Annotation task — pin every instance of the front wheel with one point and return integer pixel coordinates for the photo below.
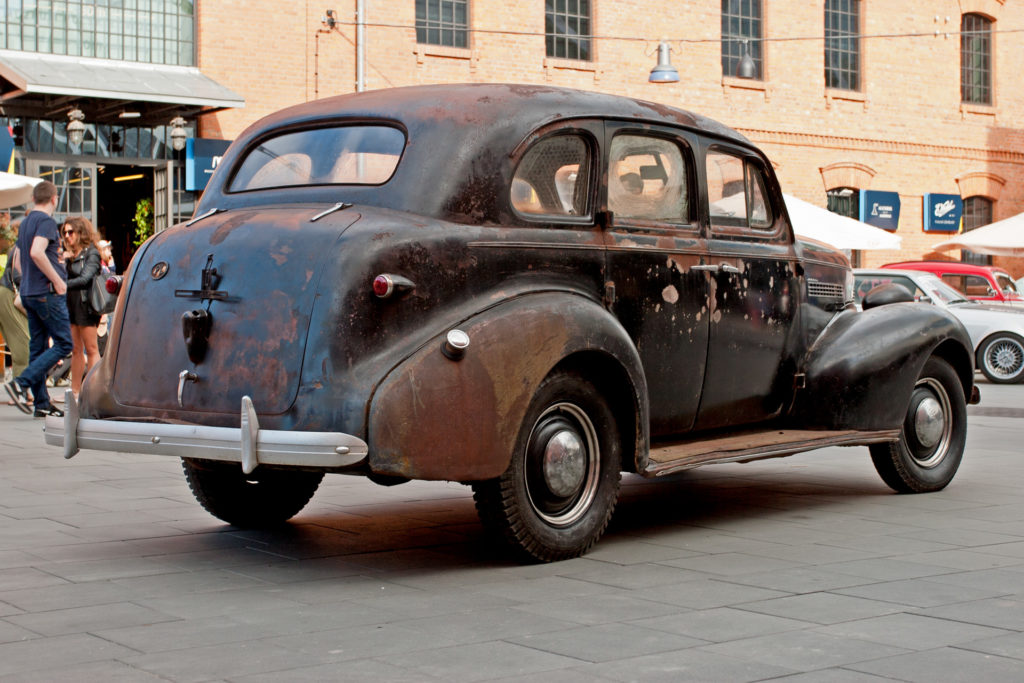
(263, 498)
(556, 497)
(1001, 359)
(931, 443)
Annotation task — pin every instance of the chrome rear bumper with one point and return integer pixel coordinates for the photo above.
(247, 445)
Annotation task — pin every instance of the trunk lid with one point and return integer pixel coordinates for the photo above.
(255, 274)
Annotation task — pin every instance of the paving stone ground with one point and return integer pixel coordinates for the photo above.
(799, 569)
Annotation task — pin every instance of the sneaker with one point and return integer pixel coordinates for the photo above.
(19, 395)
(48, 411)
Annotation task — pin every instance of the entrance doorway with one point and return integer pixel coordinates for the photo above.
(120, 188)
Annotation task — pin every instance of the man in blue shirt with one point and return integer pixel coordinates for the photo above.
(43, 289)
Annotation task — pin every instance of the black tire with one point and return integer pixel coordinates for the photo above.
(264, 498)
(1001, 358)
(559, 492)
(931, 443)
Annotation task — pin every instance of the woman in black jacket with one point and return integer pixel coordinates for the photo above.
(83, 263)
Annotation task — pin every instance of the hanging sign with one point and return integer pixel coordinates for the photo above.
(880, 209)
(201, 157)
(942, 212)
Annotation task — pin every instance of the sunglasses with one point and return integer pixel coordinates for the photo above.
(69, 231)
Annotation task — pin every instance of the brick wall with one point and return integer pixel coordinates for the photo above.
(904, 131)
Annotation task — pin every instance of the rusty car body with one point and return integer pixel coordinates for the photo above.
(526, 289)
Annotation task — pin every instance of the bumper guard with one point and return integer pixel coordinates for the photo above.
(248, 445)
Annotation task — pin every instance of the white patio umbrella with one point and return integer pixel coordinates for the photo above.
(1002, 238)
(839, 231)
(16, 189)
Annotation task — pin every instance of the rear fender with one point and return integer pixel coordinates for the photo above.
(862, 369)
(436, 418)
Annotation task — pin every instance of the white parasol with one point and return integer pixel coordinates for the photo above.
(1002, 238)
(15, 189)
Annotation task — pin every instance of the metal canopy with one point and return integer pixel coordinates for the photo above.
(46, 86)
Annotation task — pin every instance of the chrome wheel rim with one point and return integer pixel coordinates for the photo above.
(1004, 358)
(562, 464)
(928, 428)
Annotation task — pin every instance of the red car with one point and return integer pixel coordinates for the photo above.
(981, 283)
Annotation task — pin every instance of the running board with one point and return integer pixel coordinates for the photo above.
(754, 445)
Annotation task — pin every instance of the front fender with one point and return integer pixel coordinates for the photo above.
(862, 369)
(436, 418)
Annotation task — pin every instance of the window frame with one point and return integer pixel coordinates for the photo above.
(583, 40)
(555, 219)
(972, 92)
(688, 223)
(732, 42)
(835, 47)
(977, 208)
(452, 28)
(751, 161)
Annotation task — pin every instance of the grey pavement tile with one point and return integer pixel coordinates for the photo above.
(222, 661)
(962, 538)
(635, 576)
(800, 580)
(102, 570)
(918, 592)
(887, 569)
(706, 593)
(692, 665)
(340, 589)
(19, 578)
(7, 610)
(802, 650)
(183, 634)
(546, 588)
(836, 675)
(1014, 550)
(97, 672)
(66, 595)
(888, 546)
(1006, 581)
(384, 640)
(177, 583)
(731, 564)
(822, 608)
(62, 651)
(482, 661)
(10, 559)
(89, 619)
(911, 631)
(971, 560)
(1010, 645)
(276, 571)
(995, 612)
(10, 632)
(606, 642)
(721, 624)
(358, 671)
(600, 609)
(581, 674)
(424, 603)
(944, 664)
(497, 623)
(221, 603)
(629, 551)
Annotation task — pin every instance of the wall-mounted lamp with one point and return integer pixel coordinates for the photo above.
(746, 67)
(663, 71)
(178, 133)
(330, 19)
(76, 129)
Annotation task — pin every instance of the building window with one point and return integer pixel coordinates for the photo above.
(567, 28)
(845, 201)
(741, 25)
(442, 22)
(129, 30)
(977, 212)
(842, 44)
(975, 59)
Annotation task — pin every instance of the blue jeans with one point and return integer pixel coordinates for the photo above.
(47, 319)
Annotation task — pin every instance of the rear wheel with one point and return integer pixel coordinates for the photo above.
(263, 498)
(931, 443)
(556, 497)
(1001, 359)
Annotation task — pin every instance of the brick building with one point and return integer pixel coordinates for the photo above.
(905, 96)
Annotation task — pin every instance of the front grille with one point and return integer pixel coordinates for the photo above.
(824, 290)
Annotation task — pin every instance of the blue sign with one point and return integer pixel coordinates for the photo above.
(880, 209)
(202, 156)
(6, 149)
(942, 212)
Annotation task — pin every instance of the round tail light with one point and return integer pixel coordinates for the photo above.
(114, 283)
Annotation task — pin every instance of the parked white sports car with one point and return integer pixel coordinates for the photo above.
(997, 331)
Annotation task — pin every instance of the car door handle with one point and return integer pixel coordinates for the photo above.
(705, 268)
(729, 268)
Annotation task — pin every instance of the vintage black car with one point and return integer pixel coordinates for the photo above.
(527, 289)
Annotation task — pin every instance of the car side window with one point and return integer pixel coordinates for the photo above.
(864, 284)
(737, 193)
(647, 179)
(553, 178)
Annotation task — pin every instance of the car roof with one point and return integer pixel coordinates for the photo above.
(949, 266)
(460, 148)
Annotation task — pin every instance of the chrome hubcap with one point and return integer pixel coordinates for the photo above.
(929, 422)
(565, 463)
(1005, 358)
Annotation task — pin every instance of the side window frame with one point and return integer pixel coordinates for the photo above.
(774, 231)
(581, 131)
(685, 145)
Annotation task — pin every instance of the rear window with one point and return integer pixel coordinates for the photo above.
(340, 155)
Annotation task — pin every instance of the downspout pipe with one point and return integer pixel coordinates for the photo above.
(360, 45)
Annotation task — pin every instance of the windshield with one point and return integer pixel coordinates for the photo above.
(1006, 283)
(340, 155)
(939, 290)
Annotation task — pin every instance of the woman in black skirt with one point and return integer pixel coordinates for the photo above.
(83, 263)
